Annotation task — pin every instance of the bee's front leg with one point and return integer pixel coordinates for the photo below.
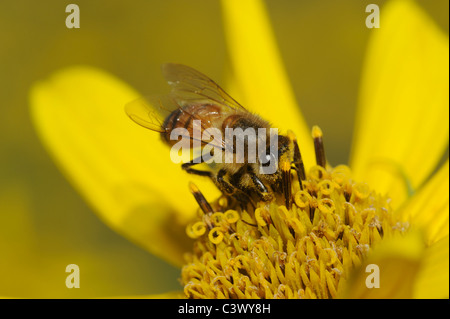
(231, 190)
(188, 167)
(261, 189)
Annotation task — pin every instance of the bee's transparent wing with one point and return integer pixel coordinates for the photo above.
(192, 87)
(151, 112)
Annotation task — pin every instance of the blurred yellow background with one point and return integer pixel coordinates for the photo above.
(44, 224)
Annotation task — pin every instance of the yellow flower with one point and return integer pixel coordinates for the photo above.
(394, 186)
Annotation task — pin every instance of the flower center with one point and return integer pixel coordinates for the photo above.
(306, 251)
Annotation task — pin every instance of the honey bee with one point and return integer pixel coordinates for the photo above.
(197, 104)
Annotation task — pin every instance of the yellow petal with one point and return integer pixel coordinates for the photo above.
(123, 170)
(433, 278)
(402, 121)
(259, 71)
(398, 261)
(428, 210)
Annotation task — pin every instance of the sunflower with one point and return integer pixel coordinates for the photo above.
(387, 211)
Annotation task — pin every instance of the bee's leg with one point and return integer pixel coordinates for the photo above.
(223, 184)
(263, 192)
(297, 160)
(232, 190)
(188, 167)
